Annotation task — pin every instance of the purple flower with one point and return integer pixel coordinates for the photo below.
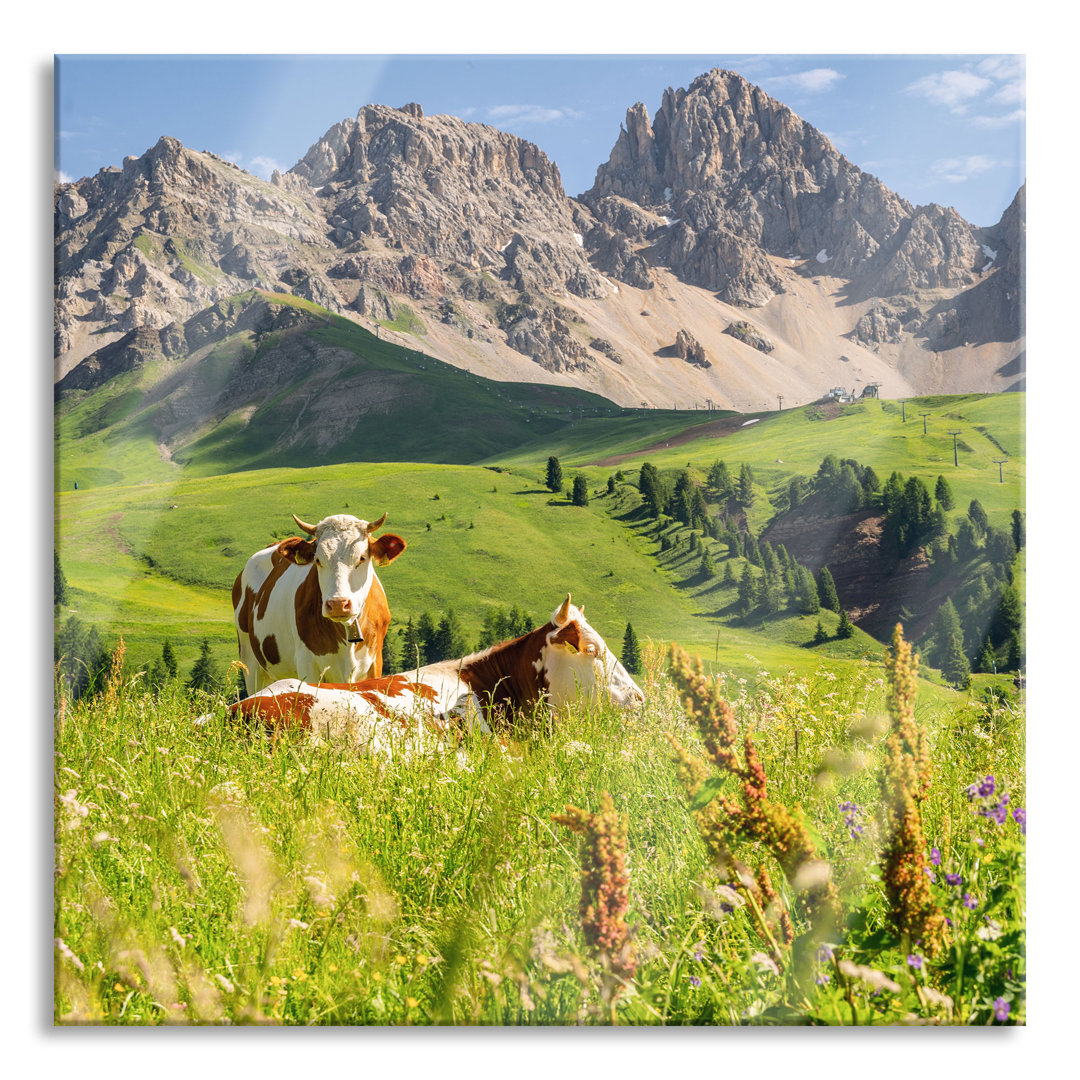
(698, 954)
(953, 879)
(986, 788)
(935, 856)
(822, 979)
(1001, 1010)
(929, 873)
(970, 902)
(1020, 817)
(914, 961)
(824, 954)
(694, 980)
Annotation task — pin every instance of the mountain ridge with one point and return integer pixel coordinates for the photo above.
(458, 238)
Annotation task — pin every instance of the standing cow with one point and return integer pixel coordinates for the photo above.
(313, 608)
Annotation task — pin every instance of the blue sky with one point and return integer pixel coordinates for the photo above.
(935, 128)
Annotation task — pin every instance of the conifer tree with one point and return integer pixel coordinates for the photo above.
(943, 494)
(746, 590)
(611, 485)
(425, 630)
(746, 486)
(1008, 616)
(708, 566)
(1019, 530)
(554, 475)
(580, 496)
(987, 661)
(827, 590)
(1015, 660)
(60, 585)
(719, 479)
(845, 628)
(168, 659)
(449, 642)
(631, 651)
(809, 597)
(413, 654)
(729, 574)
(949, 644)
(978, 517)
(820, 636)
(204, 673)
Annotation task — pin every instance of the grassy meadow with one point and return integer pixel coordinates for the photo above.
(212, 875)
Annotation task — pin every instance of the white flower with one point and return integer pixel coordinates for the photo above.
(296, 924)
(764, 962)
(67, 954)
(226, 985)
(179, 938)
(574, 748)
(877, 979)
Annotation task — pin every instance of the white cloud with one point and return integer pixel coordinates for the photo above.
(959, 170)
(1009, 68)
(1017, 116)
(530, 114)
(953, 89)
(1012, 93)
(62, 177)
(815, 81)
(264, 166)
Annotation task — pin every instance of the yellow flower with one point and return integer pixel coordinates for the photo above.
(300, 976)
(275, 980)
(376, 976)
(421, 959)
(400, 959)
(118, 987)
(411, 1002)
(331, 967)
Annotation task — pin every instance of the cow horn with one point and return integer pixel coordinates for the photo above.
(373, 525)
(309, 529)
(562, 616)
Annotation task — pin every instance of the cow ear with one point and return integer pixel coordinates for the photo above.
(297, 550)
(387, 548)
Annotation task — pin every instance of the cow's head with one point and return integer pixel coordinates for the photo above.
(344, 553)
(577, 663)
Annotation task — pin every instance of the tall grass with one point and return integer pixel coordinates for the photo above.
(213, 875)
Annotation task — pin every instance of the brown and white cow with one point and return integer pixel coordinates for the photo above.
(560, 663)
(313, 608)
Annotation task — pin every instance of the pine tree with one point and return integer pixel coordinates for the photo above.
(1019, 530)
(827, 590)
(1015, 660)
(580, 496)
(652, 492)
(204, 674)
(425, 631)
(949, 644)
(746, 590)
(412, 648)
(746, 486)
(389, 655)
(631, 651)
(1008, 616)
(611, 485)
(708, 566)
(449, 642)
(943, 494)
(719, 479)
(60, 585)
(809, 597)
(168, 659)
(554, 475)
(820, 636)
(729, 574)
(978, 517)
(845, 628)
(987, 661)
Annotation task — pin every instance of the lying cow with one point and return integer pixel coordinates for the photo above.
(314, 608)
(562, 662)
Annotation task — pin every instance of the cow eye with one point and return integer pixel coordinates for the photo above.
(318, 562)
(362, 559)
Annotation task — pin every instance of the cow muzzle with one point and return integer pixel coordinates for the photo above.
(338, 607)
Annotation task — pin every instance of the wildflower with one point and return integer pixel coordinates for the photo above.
(400, 959)
(421, 959)
(695, 981)
(878, 980)
(118, 987)
(411, 1003)
(914, 961)
(604, 883)
(1001, 1010)
(824, 954)
(1020, 817)
(225, 984)
(822, 979)
(970, 902)
(953, 879)
(376, 976)
(905, 781)
(930, 873)
(935, 856)
(852, 812)
(698, 954)
(986, 788)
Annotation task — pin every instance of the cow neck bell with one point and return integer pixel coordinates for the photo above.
(354, 637)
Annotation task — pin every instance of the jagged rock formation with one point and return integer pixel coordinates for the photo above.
(748, 334)
(688, 348)
(725, 201)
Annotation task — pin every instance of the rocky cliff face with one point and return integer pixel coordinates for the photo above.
(726, 201)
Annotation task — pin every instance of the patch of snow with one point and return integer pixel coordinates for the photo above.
(822, 256)
(506, 245)
(749, 422)
(991, 255)
(667, 194)
(670, 221)
(614, 287)
(579, 238)
(1008, 297)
